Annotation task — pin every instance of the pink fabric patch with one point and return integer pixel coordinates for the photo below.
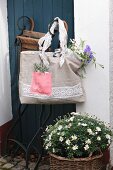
(41, 83)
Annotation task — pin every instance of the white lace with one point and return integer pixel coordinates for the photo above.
(57, 92)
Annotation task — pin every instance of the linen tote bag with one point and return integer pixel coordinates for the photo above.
(63, 85)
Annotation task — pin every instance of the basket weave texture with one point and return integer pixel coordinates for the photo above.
(89, 163)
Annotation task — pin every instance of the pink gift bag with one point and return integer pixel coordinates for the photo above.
(41, 83)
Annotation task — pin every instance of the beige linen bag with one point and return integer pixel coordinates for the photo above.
(63, 64)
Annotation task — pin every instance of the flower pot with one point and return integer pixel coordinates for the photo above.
(89, 163)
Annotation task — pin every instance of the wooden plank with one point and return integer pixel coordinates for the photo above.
(57, 12)
(57, 8)
(47, 14)
(29, 119)
(28, 8)
(43, 11)
(18, 12)
(27, 11)
(68, 15)
(12, 53)
(38, 15)
(11, 30)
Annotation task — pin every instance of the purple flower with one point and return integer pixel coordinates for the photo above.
(87, 49)
(89, 53)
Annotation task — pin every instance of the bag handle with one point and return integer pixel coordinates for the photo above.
(45, 42)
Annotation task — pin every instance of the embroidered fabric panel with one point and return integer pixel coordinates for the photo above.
(57, 92)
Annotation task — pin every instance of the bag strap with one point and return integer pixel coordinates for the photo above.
(45, 42)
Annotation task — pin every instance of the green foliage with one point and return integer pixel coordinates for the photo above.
(40, 67)
(84, 53)
(77, 135)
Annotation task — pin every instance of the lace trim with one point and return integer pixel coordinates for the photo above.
(57, 92)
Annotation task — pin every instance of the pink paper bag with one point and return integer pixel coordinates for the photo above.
(41, 83)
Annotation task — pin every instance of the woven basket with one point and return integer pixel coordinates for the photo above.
(89, 163)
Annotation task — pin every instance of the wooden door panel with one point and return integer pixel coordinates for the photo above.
(43, 12)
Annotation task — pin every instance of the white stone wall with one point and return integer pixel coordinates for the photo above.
(111, 71)
(5, 86)
(92, 25)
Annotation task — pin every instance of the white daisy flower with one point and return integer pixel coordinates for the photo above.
(75, 147)
(50, 137)
(53, 150)
(90, 131)
(86, 147)
(46, 147)
(62, 134)
(88, 141)
(71, 119)
(74, 113)
(68, 142)
(109, 141)
(74, 137)
(58, 133)
(84, 124)
(98, 129)
(70, 124)
(61, 139)
(98, 138)
(60, 127)
(49, 144)
(108, 136)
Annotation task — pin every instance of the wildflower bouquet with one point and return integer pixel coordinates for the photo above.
(84, 53)
(77, 136)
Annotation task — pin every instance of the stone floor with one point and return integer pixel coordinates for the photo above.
(18, 163)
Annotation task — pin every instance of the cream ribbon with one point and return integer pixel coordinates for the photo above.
(45, 42)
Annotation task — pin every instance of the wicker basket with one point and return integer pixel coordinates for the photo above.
(89, 163)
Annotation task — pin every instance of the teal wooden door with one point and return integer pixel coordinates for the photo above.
(43, 12)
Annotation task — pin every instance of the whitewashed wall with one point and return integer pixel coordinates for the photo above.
(5, 87)
(111, 71)
(92, 25)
